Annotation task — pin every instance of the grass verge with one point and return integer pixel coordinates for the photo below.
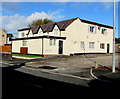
(29, 56)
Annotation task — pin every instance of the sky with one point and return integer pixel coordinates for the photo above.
(17, 15)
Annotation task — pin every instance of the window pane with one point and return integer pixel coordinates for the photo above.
(82, 45)
(24, 43)
(91, 45)
(56, 31)
(104, 31)
(50, 41)
(92, 29)
(102, 46)
(40, 32)
(54, 41)
(22, 34)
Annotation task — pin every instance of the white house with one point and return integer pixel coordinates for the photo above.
(73, 36)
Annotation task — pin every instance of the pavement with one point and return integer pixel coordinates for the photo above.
(12, 62)
(106, 74)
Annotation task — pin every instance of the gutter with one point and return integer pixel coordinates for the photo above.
(37, 37)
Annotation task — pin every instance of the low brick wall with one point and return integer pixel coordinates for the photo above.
(5, 56)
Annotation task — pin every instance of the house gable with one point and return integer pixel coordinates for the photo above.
(55, 31)
(23, 33)
(64, 24)
(40, 32)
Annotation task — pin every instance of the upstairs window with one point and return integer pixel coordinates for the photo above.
(56, 31)
(92, 29)
(40, 32)
(22, 34)
(104, 31)
(30, 34)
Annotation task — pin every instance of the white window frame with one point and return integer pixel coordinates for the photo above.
(40, 32)
(82, 45)
(30, 34)
(101, 45)
(94, 29)
(104, 32)
(24, 43)
(91, 45)
(22, 34)
(52, 42)
(56, 31)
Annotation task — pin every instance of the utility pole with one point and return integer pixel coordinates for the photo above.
(114, 28)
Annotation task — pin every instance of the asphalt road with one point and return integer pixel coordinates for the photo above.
(22, 85)
(17, 84)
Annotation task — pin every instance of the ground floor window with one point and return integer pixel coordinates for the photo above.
(52, 42)
(102, 46)
(82, 45)
(91, 45)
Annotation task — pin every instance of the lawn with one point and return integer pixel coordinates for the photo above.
(29, 56)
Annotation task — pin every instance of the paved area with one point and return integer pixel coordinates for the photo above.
(73, 65)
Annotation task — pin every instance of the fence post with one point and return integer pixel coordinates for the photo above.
(96, 64)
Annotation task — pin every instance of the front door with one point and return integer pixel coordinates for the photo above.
(60, 47)
(108, 48)
(23, 50)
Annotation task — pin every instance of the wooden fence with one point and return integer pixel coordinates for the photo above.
(5, 48)
(117, 48)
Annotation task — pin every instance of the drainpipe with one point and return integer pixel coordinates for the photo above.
(60, 33)
(42, 47)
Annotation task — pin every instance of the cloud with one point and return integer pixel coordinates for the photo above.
(107, 5)
(43, 15)
(38, 15)
(13, 23)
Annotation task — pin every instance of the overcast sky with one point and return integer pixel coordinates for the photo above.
(16, 15)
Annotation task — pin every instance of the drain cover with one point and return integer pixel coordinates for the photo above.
(48, 67)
